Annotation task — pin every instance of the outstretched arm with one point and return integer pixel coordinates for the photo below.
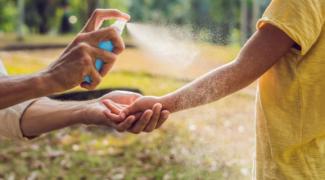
(46, 115)
(260, 53)
(75, 62)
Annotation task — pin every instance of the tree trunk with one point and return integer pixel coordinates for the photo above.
(92, 5)
(244, 21)
(256, 12)
(43, 10)
(21, 10)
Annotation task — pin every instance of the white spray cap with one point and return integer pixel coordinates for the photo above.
(119, 25)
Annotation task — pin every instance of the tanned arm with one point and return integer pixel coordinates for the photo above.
(260, 53)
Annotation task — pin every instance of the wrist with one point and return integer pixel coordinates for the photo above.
(81, 114)
(168, 102)
(78, 112)
(45, 84)
(85, 112)
(40, 81)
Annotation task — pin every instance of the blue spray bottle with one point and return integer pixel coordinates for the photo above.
(107, 46)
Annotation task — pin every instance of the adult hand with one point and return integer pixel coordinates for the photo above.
(148, 112)
(94, 112)
(78, 59)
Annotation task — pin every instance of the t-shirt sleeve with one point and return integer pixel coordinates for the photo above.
(301, 20)
(11, 116)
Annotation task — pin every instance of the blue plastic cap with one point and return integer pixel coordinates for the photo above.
(107, 46)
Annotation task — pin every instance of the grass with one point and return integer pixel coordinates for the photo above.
(11, 39)
(210, 142)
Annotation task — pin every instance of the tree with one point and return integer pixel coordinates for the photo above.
(21, 10)
(256, 11)
(244, 22)
(92, 5)
(8, 14)
(224, 16)
(39, 14)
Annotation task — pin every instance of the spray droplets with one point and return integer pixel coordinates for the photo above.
(169, 44)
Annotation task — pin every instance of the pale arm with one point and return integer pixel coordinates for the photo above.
(46, 115)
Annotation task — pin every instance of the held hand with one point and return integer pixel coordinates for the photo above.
(94, 113)
(147, 111)
(122, 97)
(116, 101)
(78, 59)
(141, 105)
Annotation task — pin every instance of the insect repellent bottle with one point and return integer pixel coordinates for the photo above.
(107, 46)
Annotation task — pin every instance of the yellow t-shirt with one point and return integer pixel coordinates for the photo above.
(291, 96)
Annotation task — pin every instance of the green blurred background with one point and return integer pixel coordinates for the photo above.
(215, 141)
(222, 19)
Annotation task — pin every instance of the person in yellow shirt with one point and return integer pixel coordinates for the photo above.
(287, 54)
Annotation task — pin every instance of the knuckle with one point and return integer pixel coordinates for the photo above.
(96, 12)
(80, 38)
(86, 61)
(82, 47)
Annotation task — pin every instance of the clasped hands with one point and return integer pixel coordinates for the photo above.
(136, 114)
(126, 111)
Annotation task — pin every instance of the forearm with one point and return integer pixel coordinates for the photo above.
(261, 52)
(46, 115)
(209, 88)
(16, 89)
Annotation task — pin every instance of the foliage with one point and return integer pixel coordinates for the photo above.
(8, 15)
(219, 19)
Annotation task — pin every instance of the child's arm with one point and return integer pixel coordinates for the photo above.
(261, 52)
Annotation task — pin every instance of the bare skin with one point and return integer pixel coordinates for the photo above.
(148, 121)
(76, 62)
(46, 115)
(264, 49)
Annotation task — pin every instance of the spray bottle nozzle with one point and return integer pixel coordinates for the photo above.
(119, 25)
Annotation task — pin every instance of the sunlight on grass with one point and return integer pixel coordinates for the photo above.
(11, 39)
